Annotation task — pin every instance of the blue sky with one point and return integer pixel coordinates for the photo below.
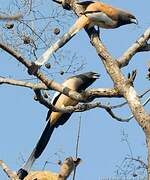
(101, 148)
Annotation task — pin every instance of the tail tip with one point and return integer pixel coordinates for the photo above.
(22, 173)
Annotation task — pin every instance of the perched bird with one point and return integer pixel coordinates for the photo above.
(78, 83)
(96, 13)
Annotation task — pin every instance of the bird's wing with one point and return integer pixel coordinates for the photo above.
(110, 11)
(98, 16)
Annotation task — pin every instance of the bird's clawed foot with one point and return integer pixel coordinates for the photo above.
(33, 69)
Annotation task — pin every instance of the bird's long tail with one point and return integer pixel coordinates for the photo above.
(79, 24)
(37, 151)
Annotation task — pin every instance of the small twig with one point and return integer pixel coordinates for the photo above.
(136, 47)
(145, 47)
(147, 100)
(124, 103)
(130, 117)
(9, 173)
(67, 167)
(111, 113)
(128, 166)
(22, 83)
(42, 100)
(138, 160)
(77, 146)
(13, 17)
(125, 139)
(144, 93)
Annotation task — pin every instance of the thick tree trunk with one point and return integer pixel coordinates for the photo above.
(148, 156)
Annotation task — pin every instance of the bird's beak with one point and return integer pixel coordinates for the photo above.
(135, 21)
(96, 76)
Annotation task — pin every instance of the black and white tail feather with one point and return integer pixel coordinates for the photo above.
(40, 146)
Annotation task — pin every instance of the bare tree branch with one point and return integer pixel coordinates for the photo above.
(88, 94)
(102, 92)
(124, 103)
(65, 170)
(15, 54)
(23, 84)
(68, 166)
(138, 46)
(79, 107)
(9, 173)
(138, 160)
(13, 17)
